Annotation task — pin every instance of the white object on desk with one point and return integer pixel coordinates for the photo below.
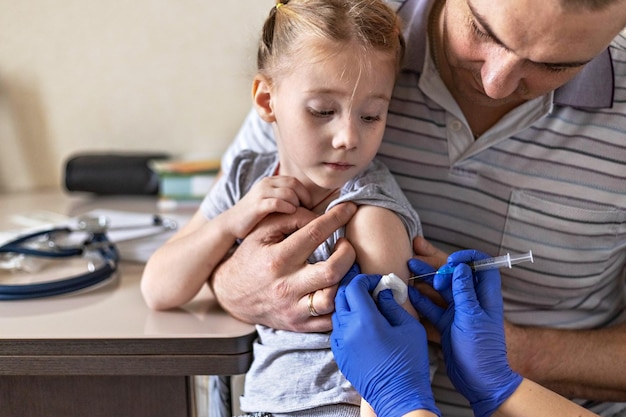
(134, 242)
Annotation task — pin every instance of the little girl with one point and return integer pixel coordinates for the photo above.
(326, 71)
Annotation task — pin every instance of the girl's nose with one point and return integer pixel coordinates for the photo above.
(347, 137)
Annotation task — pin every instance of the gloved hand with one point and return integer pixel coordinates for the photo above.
(382, 353)
(352, 273)
(472, 333)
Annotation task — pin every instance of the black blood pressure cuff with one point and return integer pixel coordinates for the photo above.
(112, 173)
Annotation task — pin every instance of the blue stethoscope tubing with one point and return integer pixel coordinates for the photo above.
(104, 247)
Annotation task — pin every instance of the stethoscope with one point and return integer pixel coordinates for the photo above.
(46, 244)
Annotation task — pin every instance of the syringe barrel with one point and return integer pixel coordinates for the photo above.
(507, 260)
(517, 258)
(492, 263)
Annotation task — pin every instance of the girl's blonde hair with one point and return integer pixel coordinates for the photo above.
(371, 24)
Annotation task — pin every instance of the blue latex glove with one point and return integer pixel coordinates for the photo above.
(350, 275)
(381, 350)
(472, 332)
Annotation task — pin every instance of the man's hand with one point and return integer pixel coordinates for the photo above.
(426, 252)
(268, 280)
(427, 259)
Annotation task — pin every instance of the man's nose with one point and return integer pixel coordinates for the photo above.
(501, 74)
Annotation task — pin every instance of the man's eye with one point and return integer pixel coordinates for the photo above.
(320, 113)
(557, 69)
(479, 33)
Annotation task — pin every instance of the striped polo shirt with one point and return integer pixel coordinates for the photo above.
(549, 177)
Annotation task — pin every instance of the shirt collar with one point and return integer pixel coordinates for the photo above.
(592, 88)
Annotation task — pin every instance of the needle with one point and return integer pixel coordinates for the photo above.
(507, 260)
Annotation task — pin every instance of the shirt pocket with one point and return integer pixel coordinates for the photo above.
(578, 273)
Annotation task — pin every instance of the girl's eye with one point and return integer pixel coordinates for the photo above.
(320, 113)
(370, 119)
(479, 33)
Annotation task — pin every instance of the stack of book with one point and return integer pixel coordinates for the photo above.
(184, 183)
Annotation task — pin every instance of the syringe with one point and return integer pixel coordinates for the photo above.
(482, 264)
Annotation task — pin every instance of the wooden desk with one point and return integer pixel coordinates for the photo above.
(103, 352)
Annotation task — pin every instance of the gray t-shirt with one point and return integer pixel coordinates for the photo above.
(291, 371)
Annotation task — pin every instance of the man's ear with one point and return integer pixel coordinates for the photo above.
(262, 98)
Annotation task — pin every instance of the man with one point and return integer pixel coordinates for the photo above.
(507, 132)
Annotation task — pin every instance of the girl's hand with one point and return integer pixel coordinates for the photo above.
(276, 194)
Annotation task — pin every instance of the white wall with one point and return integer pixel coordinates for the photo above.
(139, 75)
(163, 75)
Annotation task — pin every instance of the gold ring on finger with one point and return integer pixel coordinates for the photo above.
(312, 310)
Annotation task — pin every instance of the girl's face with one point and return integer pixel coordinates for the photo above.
(507, 52)
(329, 113)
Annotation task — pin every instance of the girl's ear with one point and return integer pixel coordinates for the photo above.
(262, 98)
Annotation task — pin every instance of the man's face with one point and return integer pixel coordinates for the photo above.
(506, 52)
